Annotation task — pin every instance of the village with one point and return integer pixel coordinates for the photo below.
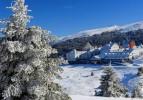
(109, 53)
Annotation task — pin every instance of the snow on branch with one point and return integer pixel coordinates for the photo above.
(3, 21)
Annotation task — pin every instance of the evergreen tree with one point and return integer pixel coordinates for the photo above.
(138, 91)
(87, 46)
(110, 85)
(50, 38)
(28, 65)
(140, 71)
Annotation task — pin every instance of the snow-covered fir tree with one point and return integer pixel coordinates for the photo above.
(138, 91)
(110, 85)
(50, 38)
(28, 65)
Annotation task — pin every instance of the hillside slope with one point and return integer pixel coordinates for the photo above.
(91, 32)
(102, 36)
(77, 79)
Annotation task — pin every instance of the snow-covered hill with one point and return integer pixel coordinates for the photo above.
(91, 32)
(86, 33)
(78, 82)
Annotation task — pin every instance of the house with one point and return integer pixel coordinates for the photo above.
(116, 56)
(110, 52)
(137, 52)
(76, 56)
(132, 44)
(113, 52)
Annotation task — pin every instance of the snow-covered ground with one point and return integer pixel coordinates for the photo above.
(79, 97)
(78, 82)
(77, 79)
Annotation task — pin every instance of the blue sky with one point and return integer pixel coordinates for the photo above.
(64, 17)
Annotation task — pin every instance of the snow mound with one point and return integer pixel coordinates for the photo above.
(86, 33)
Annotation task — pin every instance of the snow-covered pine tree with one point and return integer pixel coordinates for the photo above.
(50, 38)
(138, 91)
(28, 65)
(110, 85)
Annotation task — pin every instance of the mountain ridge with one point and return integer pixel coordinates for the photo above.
(91, 32)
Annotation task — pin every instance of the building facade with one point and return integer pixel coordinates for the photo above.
(110, 52)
